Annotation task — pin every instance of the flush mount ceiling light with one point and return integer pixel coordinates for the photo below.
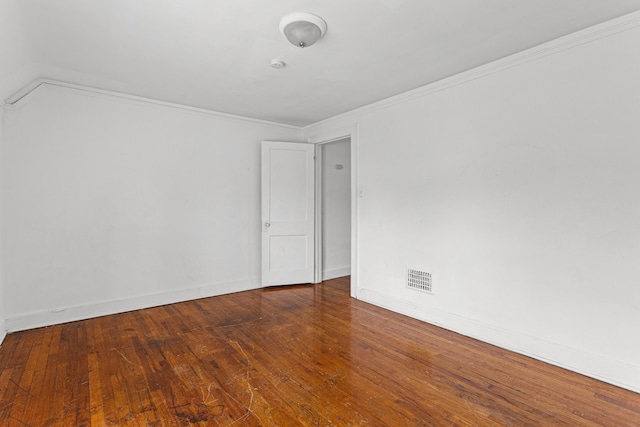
(302, 29)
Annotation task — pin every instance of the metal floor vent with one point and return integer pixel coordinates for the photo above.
(419, 280)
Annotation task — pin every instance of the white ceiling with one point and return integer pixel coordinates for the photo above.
(215, 54)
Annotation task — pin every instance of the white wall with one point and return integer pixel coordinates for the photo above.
(517, 187)
(3, 316)
(112, 204)
(17, 64)
(336, 209)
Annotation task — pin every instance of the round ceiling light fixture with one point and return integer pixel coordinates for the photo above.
(302, 29)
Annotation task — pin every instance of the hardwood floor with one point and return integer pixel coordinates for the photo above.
(301, 355)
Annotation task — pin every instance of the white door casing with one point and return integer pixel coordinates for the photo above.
(323, 136)
(288, 213)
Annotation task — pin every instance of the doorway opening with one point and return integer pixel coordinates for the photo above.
(343, 170)
(333, 224)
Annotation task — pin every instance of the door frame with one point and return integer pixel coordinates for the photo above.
(325, 137)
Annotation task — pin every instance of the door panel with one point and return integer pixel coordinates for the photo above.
(287, 185)
(288, 253)
(288, 174)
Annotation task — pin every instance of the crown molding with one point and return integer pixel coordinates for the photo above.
(23, 94)
(570, 41)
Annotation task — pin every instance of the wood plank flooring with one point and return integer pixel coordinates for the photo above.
(300, 355)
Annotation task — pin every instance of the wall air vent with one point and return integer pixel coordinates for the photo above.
(419, 280)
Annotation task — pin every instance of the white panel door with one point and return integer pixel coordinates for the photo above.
(288, 185)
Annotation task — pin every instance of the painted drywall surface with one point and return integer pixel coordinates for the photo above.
(16, 61)
(107, 199)
(2, 296)
(336, 215)
(518, 190)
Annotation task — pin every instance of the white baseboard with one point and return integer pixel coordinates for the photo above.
(96, 309)
(614, 372)
(335, 273)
